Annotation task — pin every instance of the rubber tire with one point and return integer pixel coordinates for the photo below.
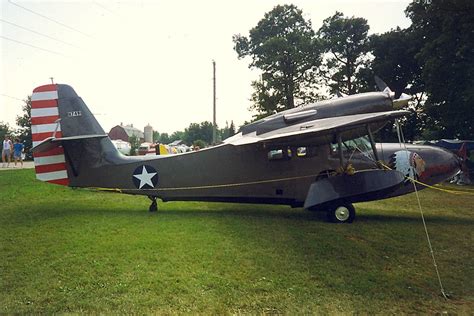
(332, 213)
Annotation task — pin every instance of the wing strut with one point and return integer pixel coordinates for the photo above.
(339, 147)
(372, 143)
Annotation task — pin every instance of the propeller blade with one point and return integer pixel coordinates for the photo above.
(381, 84)
(397, 103)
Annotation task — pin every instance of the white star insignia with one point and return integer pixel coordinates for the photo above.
(145, 177)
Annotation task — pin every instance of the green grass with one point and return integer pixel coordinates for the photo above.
(65, 250)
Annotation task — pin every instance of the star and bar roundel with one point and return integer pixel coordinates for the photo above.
(145, 177)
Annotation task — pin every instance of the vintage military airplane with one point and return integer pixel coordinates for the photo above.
(321, 156)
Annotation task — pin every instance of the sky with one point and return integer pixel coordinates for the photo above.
(149, 62)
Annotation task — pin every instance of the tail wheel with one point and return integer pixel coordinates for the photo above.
(341, 212)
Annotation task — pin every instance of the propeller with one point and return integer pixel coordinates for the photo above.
(397, 103)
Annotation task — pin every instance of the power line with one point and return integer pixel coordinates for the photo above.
(9, 96)
(49, 19)
(33, 46)
(103, 7)
(33, 31)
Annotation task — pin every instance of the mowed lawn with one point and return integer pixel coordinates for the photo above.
(66, 250)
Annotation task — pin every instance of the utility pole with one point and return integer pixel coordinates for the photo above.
(214, 126)
(51, 80)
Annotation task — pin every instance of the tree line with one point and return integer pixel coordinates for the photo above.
(196, 134)
(432, 60)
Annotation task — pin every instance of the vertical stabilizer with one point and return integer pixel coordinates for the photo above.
(50, 164)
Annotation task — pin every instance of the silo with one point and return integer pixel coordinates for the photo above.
(148, 134)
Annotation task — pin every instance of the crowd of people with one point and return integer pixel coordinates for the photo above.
(10, 149)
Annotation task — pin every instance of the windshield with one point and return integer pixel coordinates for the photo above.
(357, 146)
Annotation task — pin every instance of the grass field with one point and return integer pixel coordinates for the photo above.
(65, 250)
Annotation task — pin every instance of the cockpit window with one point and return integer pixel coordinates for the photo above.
(361, 143)
(354, 146)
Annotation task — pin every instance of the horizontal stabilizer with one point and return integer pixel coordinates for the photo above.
(51, 142)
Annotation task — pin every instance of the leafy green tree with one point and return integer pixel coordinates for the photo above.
(228, 130)
(177, 135)
(195, 131)
(346, 47)
(199, 143)
(24, 123)
(164, 138)
(447, 60)
(285, 48)
(4, 130)
(394, 61)
(156, 137)
(134, 144)
(192, 133)
(231, 129)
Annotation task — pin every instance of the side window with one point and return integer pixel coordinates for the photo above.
(279, 154)
(301, 151)
(276, 154)
(288, 153)
(307, 151)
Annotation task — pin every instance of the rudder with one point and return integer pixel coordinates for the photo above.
(50, 165)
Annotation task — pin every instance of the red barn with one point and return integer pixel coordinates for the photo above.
(124, 132)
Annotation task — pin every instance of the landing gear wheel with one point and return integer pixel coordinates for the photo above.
(342, 212)
(154, 206)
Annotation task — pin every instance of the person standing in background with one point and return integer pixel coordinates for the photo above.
(17, 151)
(6, 151)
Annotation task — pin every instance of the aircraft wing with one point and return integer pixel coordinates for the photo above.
(309, 131)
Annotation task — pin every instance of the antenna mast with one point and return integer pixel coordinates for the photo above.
(214, 125)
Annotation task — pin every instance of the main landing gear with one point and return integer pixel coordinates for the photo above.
(341, 212)
(154, 206)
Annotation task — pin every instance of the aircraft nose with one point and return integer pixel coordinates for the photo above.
(440, 164)
(427, 164)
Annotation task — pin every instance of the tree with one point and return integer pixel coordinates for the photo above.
(24, 123)
(134, 144)
(228, 130)
(156, 137)
(285, 48)
(447, 59)
(346, 44)
(195, 131)
(231, 129)
(164, 138)
(4, 130)
(394, 61)
(199, 143)
(177, 135)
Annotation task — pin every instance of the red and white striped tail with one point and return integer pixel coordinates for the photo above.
(50, 165)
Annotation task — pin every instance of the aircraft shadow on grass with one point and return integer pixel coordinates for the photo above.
(256, 214)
